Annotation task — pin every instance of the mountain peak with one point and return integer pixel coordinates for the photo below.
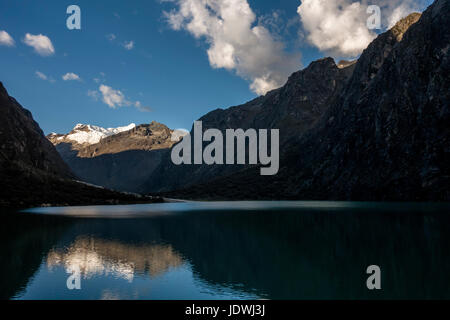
(122, 159)
(89, 127)
(86, 134)
(346, 63)
(399, 29)
(3, 92)
(327, 62)
(90, 140)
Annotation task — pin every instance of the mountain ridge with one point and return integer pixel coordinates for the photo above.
(91, 141)
(86, 134)
(293, 108)
(121, 159)
(384, 138)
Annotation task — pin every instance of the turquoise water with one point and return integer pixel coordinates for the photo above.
(232, 250)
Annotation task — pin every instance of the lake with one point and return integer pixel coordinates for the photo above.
(233, 250)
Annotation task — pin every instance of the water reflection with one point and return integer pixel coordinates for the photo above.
(264, 250)
(98, 257)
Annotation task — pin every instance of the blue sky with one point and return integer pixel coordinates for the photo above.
(157, 58)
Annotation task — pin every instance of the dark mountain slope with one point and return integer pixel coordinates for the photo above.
(32, 172)
(293, 108)
(386, 137)
(23, 143)
(123, 171)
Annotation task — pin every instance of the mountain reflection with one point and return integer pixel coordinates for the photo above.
(98, 257)
(299, 251)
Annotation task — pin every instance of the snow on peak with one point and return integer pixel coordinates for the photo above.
(89, 134)
(177, 134)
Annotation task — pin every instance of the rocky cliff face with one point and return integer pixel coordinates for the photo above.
(117, 158)
(145, 137)
(293, 109)
(384, 137)
(23, 144)
(31, 170)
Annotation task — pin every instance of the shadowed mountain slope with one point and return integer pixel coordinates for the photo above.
(385, 137)
(293, 108)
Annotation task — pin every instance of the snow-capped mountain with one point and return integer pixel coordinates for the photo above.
(118, 158)
(86, 134)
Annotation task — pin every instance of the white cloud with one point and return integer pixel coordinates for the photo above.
(101, 78)
(236, 40)
(336, 26)
(142, 108)
(340, 26)
(70, 76)
(41, 75)
(111, 37)
(115, 98)
(401, 9)
(41, 44)
(128, 45)
(93, 94)
(6, 39)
